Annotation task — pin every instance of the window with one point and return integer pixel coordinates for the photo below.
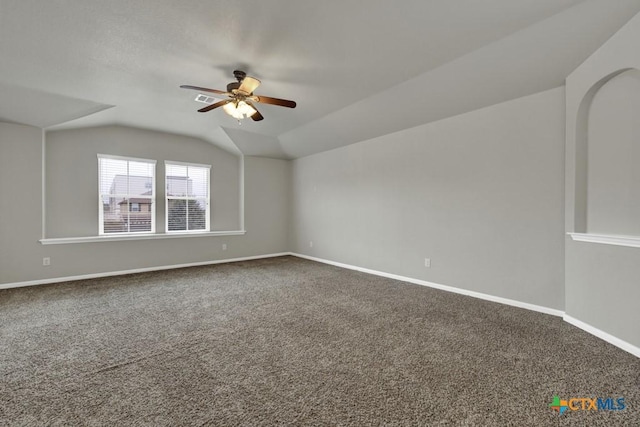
(127, 195)
(187, 207)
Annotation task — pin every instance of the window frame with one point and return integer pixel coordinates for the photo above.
(207, 228)
(152, 197)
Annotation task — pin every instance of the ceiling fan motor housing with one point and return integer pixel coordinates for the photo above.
(240, 75)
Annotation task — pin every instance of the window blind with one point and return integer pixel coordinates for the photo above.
(126, 195)
(187, 191)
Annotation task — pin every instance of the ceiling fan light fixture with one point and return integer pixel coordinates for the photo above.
(239, 110)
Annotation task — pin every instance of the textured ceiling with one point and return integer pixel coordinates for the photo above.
(349, 64)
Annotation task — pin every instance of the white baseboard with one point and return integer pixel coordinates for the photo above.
(519, 304)
(135, 270)
(603, 335)
(546, 310)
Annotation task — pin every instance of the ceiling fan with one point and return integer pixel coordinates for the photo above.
(241, 98)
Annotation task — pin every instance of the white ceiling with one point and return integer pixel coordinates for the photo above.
(349, 64)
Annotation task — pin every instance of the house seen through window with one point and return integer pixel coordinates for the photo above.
(187, 193)
(127, 195)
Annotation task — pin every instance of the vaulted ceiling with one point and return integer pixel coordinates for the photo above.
(357, 68)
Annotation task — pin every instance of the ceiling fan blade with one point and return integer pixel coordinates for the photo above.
(248, 85)
(212, 106)
(275, 101)
(204, 89)
(256, 116)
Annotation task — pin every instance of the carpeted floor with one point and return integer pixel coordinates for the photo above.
(285, 341)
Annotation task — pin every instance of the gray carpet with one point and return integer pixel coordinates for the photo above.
(286, 341)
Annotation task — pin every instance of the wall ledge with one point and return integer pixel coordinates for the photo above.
(629, 241)
(124, 237)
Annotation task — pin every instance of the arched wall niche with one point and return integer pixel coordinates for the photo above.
(581, 190)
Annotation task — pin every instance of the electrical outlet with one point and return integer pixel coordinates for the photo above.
(46, 261)
(224, 246)
(310, 243)
(427, 262)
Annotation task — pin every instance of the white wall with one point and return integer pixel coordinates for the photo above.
(267, 205)
(602, 282)
(20, 200)
(266, 220)
(72, 175)
(613, 175)
(480, 194)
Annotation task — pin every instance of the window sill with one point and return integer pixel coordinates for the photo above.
(628, 241)
(94, 239)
